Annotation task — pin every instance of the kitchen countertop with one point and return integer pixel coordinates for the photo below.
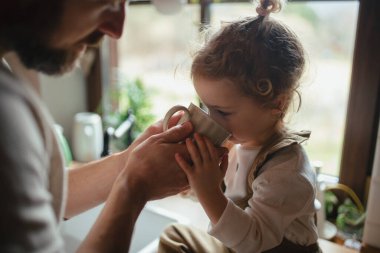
(330, 247)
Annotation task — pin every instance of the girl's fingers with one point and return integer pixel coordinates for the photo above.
(211, 149)
(202, 146)
(194, 153)
(183, 164)
(224, 164)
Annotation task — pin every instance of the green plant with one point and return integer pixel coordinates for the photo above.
(331, 201)
(348, 213)
(132, 97)
(350, 219)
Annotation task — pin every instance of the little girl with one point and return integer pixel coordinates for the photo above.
(246, 75)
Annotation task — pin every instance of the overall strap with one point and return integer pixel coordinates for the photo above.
(278, 142)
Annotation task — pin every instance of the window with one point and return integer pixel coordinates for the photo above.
(157, 49)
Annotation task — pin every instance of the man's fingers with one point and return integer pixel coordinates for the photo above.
(178, 133)
(175, 118)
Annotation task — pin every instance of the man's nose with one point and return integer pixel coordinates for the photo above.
(114, 22)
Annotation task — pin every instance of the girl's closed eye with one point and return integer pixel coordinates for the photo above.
(217, 111)
(223, 113)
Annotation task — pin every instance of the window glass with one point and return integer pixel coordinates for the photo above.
(157, 48)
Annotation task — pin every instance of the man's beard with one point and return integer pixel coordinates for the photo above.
(38, 56)
(44, 59)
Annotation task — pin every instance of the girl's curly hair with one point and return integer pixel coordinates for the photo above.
(260, 55)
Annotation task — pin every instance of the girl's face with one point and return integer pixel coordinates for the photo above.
(249, 123)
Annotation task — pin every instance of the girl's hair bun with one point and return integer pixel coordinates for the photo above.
(268, 6)
(264, 87)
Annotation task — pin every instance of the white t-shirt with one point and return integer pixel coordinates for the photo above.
(236, 179)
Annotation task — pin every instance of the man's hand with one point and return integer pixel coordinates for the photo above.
(151, 169)
(155, 129)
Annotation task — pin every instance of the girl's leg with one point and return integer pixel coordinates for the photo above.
(184, 239)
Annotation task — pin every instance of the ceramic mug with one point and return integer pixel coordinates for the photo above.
(202, 123)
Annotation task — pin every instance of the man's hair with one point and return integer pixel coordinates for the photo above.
(25, 28)
(30, 16)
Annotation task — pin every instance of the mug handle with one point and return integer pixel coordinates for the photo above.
(172, 111)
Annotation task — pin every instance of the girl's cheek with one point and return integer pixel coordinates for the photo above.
(223, 121)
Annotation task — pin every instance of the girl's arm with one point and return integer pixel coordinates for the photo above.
(280, 196)
(205, 175)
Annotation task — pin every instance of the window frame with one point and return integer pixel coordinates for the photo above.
(362, 121)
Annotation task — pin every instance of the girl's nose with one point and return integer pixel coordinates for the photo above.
(114, 21)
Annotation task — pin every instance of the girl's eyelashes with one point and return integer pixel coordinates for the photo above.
(218, 112)
(223, 113)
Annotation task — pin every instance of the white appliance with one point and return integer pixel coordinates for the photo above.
(87, 137)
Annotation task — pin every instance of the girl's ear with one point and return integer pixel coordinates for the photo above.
(276, 112)
(278, 108)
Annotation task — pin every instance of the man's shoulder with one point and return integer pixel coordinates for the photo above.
(9, 83)
(12, 97)
(20, 132)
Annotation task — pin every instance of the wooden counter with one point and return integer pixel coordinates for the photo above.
(330, 247)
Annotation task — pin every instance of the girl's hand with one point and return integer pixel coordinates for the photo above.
(206, 174)
(207, 171)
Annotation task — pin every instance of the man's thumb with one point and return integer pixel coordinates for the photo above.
(178, 133)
